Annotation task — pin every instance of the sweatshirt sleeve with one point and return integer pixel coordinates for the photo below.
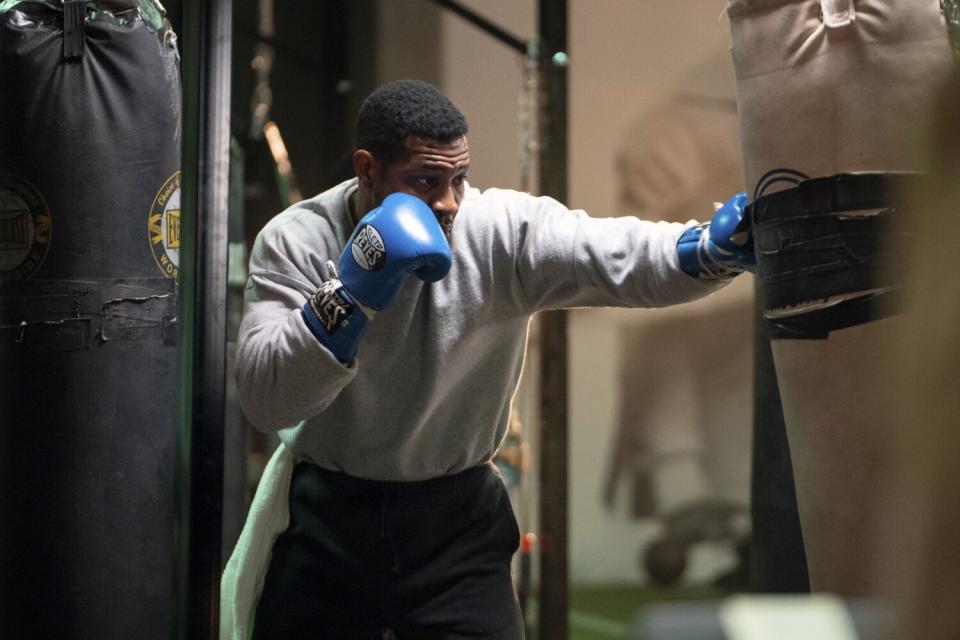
(284, 374)
(565, 259)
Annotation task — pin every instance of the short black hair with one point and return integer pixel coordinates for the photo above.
(403, 108)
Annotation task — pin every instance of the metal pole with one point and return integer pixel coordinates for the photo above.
(206, 76)
(482, 23)
(554, 434)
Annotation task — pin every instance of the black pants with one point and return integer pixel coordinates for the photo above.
(364, 559)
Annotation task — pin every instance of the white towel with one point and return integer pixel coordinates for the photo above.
(244, 574)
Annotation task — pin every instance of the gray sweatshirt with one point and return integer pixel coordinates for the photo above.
(429, 393)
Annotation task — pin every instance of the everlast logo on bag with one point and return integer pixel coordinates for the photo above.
(25, 227)
(163, 227)
(368, 249)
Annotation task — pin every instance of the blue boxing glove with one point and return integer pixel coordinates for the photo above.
(399, 237)
(718, 249)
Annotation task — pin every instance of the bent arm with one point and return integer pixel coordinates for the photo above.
(284, 374)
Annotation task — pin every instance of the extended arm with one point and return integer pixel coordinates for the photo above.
(566, 258)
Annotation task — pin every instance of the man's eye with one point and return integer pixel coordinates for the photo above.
(425, 182)
(459, 180)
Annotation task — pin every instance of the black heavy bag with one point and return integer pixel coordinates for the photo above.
(89, 212)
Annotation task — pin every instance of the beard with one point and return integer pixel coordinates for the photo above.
(446, 225)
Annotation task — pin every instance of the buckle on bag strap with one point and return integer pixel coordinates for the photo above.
(837, 13)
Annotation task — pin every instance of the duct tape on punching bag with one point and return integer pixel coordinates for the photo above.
(827, 90)
(89, 212)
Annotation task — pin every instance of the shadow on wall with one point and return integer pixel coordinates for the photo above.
(682, 449)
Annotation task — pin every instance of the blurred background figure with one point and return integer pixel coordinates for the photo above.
(682, 451)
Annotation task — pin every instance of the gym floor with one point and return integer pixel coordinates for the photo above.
(606, 612)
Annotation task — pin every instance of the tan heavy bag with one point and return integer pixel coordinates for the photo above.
(828, 88)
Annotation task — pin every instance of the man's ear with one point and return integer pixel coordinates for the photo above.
(366, 167)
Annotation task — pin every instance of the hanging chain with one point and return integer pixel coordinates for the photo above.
(951, 11)
(528, 115)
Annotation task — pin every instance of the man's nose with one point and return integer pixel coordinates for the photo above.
(445, 204)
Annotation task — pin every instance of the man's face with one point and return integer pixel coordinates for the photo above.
(432, 171)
